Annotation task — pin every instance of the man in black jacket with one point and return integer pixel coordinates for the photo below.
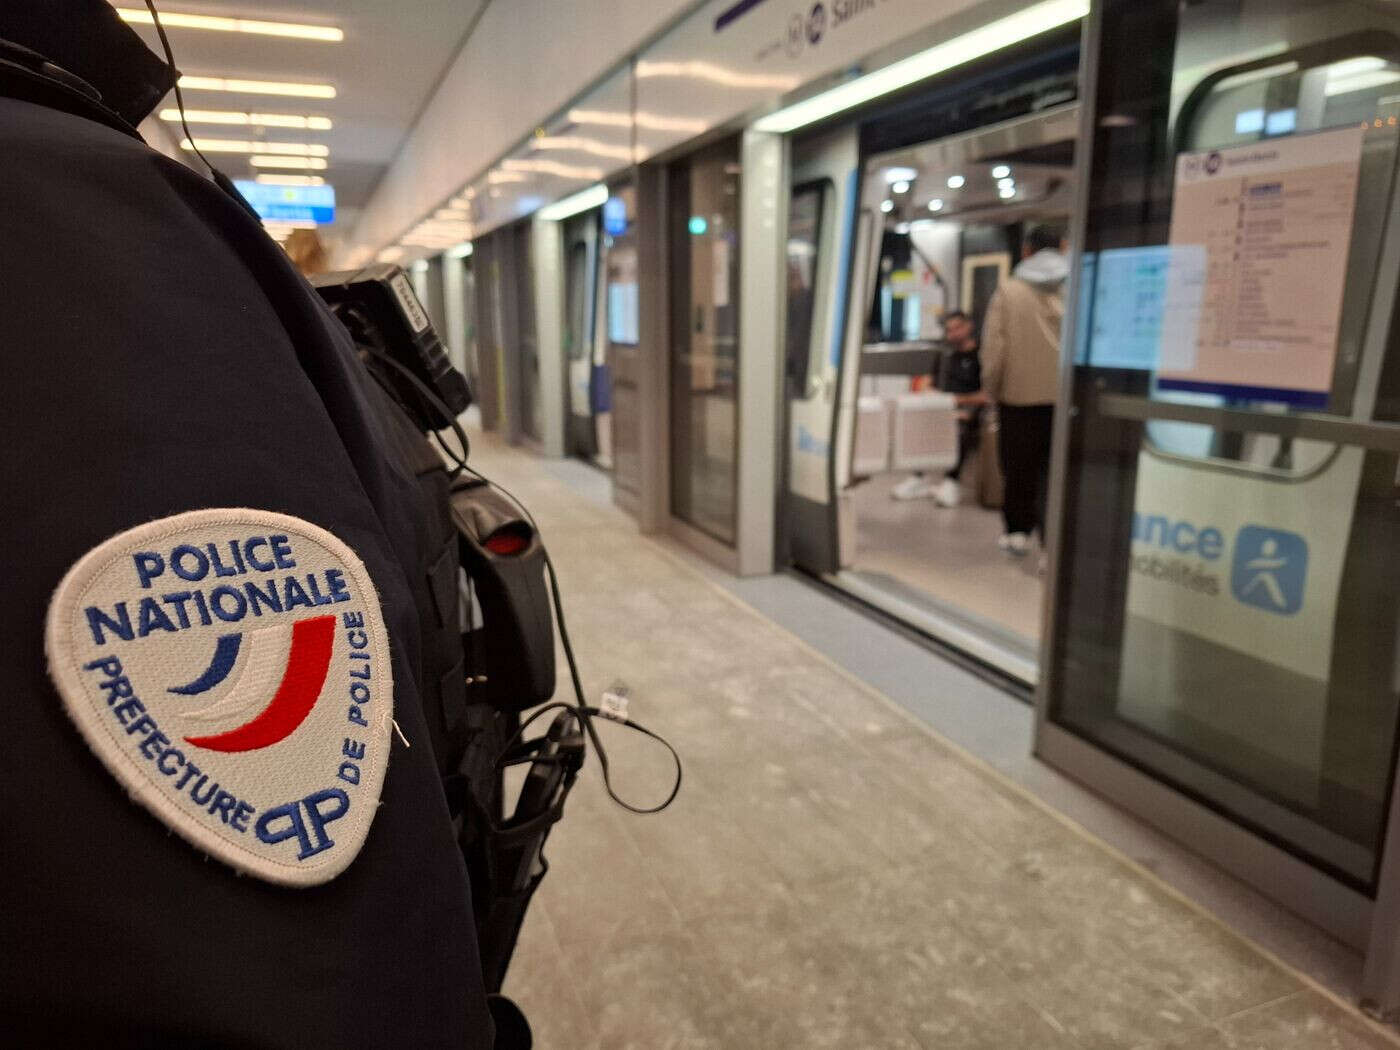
(211, 835)
(959, 374)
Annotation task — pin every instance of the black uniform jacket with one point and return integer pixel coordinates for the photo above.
(160, 355)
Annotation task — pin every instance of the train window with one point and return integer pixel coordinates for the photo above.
(803, 252)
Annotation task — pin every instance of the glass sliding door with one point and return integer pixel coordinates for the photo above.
(1228, 578)
(618, 364)
(581, 253)
(527, 350)
(703, 227)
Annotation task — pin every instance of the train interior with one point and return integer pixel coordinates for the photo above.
(920, 517)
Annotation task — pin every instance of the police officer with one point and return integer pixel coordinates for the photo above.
(213, 634)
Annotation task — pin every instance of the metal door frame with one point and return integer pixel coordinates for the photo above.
(1370, 926)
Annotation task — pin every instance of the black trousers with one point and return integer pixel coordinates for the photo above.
(1025, 464)
(969, 434)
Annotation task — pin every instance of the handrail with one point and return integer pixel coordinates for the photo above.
(1383, 437)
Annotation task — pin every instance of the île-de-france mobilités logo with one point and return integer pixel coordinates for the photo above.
(231, 670)
(1270, 569)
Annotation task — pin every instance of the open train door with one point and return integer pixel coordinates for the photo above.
(825, 239)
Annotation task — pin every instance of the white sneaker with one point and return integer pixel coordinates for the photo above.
(948, 494)
(914, 487)
(1016, 543)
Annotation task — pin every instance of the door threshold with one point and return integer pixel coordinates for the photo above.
(985, 644)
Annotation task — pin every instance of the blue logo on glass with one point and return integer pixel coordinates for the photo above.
(1271, 567)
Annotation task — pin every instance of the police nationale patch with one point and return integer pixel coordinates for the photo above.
(231, 669)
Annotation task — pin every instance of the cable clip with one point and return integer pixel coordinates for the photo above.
(613, 705)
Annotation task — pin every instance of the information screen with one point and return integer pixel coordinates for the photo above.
(285, 203)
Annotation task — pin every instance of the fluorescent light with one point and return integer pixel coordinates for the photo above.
(296, 163)
(936, 204)
(452, 213)
(656, 122)
(1358, 74)
(901, 227)
(1265, 73)
(611, 118)
(1032, 21)
(593, 197)
(494, 177)
(956, 182)
(893, 175)
(887, 206)
(389, 255)
(622, 119)
(456, 231)
(257, 87)
(462, 251)
(178, 20)
(1352, 66)
(717, 74)
(267, 120)
(551, 167)
(1006, 192)
(1001, 171)
(1006, 184)
(290, 180)
(1360, 82)
(289, 149)
(900, 187)
(581, 144)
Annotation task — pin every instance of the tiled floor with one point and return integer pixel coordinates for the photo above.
(833, 874)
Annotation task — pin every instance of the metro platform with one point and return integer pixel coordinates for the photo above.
(835, 872)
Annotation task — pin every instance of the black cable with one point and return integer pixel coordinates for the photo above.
(423, 388)
(581, 708)
(220, 179)
(179, 98)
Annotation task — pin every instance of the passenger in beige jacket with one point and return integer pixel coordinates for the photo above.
(1021, 374)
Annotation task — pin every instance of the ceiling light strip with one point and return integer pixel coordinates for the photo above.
(580, 144)
(593, 197)
(291, 149)
(220, 24)
(1029, 22)
(276, 179)
(267, 120)
(698, 69)
(257, 87)
(296, 163)
(551, 167)
(651, 121)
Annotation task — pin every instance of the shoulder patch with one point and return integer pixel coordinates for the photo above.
(231, 670)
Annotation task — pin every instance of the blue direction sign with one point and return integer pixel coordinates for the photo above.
(280, 202)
